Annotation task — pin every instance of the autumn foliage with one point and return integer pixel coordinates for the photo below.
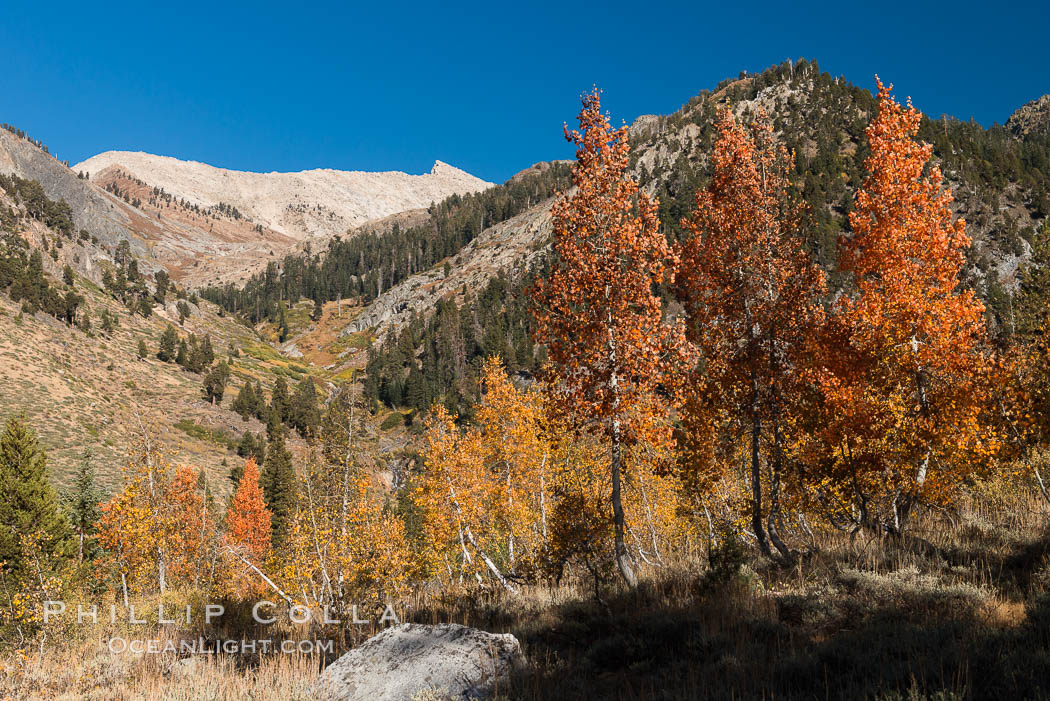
(596, 311)
(902, 384)
(157, 531)
(753, 296)
(714, 386)
(247, 529)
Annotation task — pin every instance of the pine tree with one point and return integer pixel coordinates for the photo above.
(305, 414)
(278, 481)
(214, 385)
(244, 403)
(282, 326)
(260, 409)
(182, 355)
(251, 446)
(142, 350)
(207, 352)
(28, 502)
(1033, 295)
(236, 473)
(280, 402)
(168, 344)
(109, 322)
(83, 506)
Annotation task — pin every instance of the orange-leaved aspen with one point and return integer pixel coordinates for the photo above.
(596, 311)
(904, 357)
(752, 294)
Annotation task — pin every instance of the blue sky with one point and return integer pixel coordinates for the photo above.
(484, 86)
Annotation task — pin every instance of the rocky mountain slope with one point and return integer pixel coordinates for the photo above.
(1032, 118)
(822, 119)
(206, 225)
(92, 210)
(298, 205)
(508, 246)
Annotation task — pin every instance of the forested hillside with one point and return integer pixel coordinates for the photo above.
(1001, 183)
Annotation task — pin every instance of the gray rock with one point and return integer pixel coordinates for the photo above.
(171, 308)
(422, 661)
(91, 209)
(291, 350)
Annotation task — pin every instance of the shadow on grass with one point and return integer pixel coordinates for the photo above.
(901, 630)
(715, 649)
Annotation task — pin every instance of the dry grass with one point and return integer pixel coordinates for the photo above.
(965, 616)
(86, 393)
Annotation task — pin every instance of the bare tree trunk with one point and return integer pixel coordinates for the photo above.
(616, 462)
(543, 498)
(756, 478)
(774, 493)
(464, 530)
(313, 537)
(617, 504)
(510, 510)
(262, 576)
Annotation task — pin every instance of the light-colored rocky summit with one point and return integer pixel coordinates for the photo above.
(298, 205)
(415, 661)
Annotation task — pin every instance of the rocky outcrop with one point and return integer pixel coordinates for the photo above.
(404, 662)
(1033, 118)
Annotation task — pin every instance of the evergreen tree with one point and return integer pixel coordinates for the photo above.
(415, 389)
(71, 302)
(67, 276)
(184, 311)
(109, 322)
(252, 446)
(28, 502)
(305, 414)
(168, 344)
(282, 326)
(163, 281)
(143, 351)
(260, 410)
(200, 354)
(82, 506)
(215, 381)
(182, 355)
(280, 402)
(244, 403)
(278, 481)
(207, 352)
(1033, 295)
(235, 474)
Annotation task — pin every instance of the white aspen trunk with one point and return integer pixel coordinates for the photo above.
(619, 543)
(269, 582)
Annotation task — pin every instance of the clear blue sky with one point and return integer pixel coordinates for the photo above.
(484, 86)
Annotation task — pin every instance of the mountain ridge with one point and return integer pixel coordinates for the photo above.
(300, 204)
